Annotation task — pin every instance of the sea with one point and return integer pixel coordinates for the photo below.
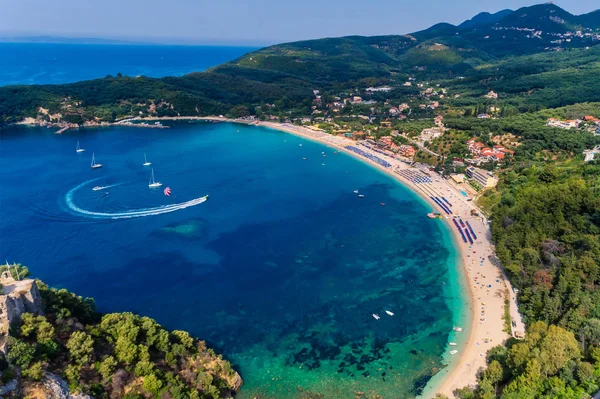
(281, 269)
(55, 63)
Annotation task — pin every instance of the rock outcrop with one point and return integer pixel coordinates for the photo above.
(17, 297)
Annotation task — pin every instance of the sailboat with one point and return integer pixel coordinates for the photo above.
(154, 184)
(79, 149)
(146, 163)
(94, 164)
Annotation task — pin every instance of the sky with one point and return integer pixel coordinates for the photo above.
(248, 22)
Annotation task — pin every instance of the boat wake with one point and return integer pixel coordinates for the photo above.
(132, 213)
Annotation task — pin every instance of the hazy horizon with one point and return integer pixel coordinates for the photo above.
(232, 23)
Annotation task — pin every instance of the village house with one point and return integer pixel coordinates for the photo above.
(385, 124)
(406, 151)
(492, 95)
(568, 124)
(384, 89)
(431, 133)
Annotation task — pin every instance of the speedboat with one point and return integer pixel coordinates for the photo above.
(97, 188)
(389, 313)
(452, 344)
(458, 329)
(453, 352)
(361, 196)
(376, 316)
(355, 191)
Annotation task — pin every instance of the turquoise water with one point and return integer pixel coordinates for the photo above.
(280, 270)
(49, 63)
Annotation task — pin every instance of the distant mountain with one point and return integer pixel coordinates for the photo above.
(544, 17)
(591, 20)
(485, 18)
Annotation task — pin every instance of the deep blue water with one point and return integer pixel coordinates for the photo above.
(280, 270)
(42, 63)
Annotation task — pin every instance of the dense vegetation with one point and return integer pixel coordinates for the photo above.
(118, 355)
(279, 80)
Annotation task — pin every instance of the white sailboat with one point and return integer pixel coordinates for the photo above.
(94, 164)
(153, 183)
(146, 163)
(79, 149)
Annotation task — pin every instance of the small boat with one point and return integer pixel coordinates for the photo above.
(79, 149)
(299, 145)
(95, 165)
(153, 183)
(322, 164)
(458, 329)
(97, 188)
(355, 191)
(452, 344)
(376, 316)
(146, 163)
(383, 204)
(453, 352)
(304, 159)
(361, 196)
(389, 313)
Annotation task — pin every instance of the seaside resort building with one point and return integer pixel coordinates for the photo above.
(483, 177)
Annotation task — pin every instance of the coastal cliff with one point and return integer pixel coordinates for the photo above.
(18, 297)
(59, 346)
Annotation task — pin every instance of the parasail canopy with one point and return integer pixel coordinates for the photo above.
(167, 191)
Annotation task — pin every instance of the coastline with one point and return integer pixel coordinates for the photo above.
(462, 368)
(482, 335)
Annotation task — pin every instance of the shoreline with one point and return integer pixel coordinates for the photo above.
(461, 371)
(462, 368)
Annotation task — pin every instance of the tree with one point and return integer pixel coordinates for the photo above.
(20, 353)
(81, 347)
(152, 384)
(106, 367)
(35, 371)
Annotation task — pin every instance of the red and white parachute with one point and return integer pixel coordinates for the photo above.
(167, 191)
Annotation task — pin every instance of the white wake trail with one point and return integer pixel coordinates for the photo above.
(133, 213)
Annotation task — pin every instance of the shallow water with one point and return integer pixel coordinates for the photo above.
(280, 270)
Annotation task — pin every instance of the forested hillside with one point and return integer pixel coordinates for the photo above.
(117, 355)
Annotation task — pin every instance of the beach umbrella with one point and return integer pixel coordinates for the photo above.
(167, 191)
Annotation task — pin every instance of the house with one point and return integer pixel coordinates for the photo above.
(386, 140)
(359, 135)
(406, 151)
(356, 100)
(492, 94)
(484, 178)
(431, 133)
(384, 89)
(394, 111)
